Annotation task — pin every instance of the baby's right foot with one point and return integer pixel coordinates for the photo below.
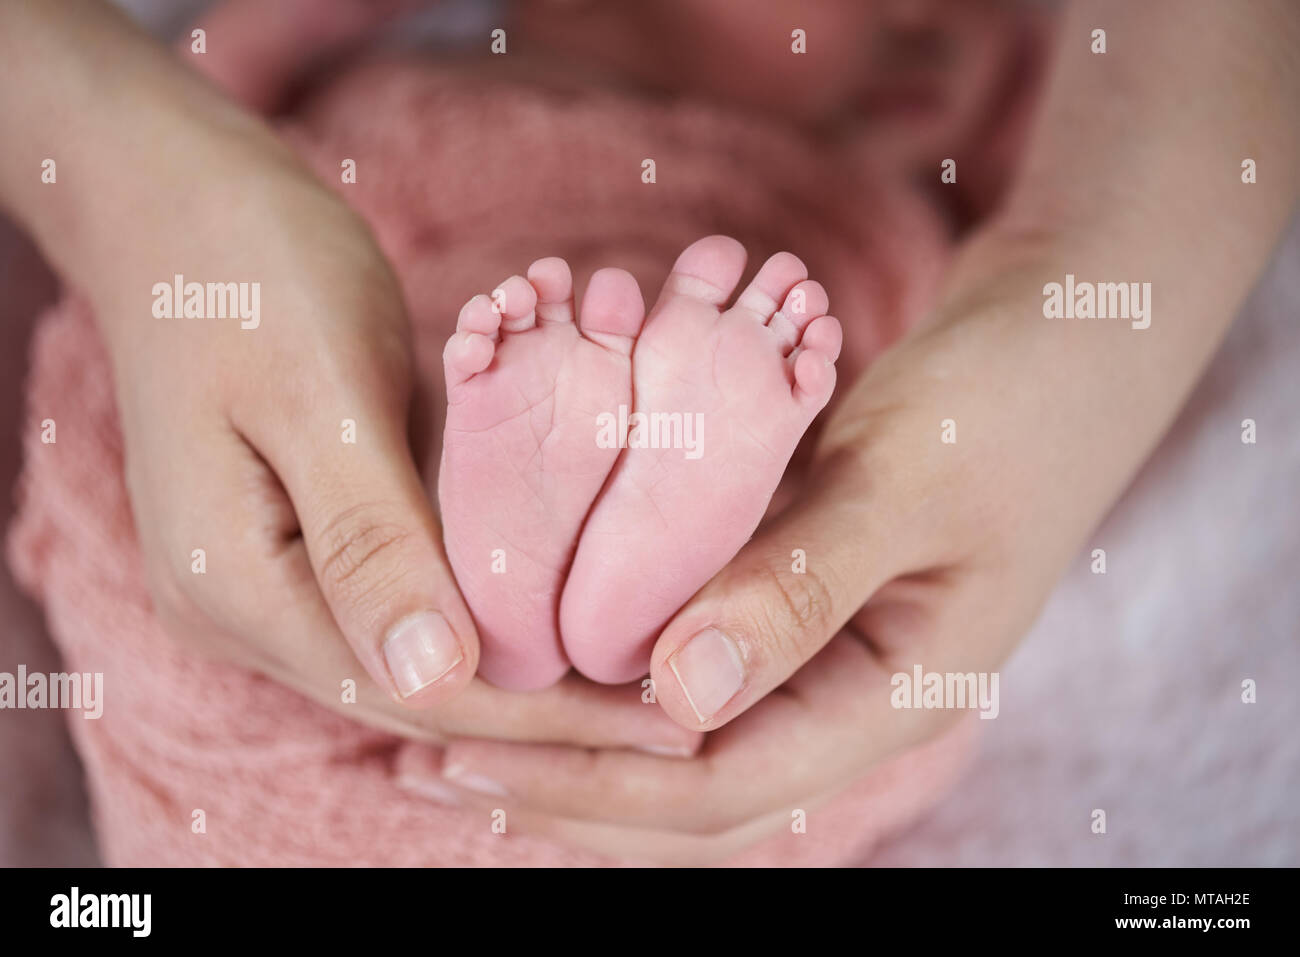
(520, 462)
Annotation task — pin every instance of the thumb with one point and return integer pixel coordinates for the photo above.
(778, 602)
(375, 548)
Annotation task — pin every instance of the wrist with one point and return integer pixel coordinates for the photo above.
(115, 148)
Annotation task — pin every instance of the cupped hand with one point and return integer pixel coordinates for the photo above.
(282, 517)
(913, 542)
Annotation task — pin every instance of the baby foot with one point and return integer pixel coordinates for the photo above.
(753, 377)
(520, 461)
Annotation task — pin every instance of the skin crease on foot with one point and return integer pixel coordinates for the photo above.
(570, 548)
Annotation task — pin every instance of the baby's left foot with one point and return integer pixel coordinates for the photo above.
(737, 387)
(521, 464)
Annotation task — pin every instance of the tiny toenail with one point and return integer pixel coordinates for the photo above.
(710, 670)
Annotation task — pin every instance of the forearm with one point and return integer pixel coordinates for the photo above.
(1134, 171)
(1133, 175)
(136, 139)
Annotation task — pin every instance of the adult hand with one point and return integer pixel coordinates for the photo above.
(937, 552)
(917, 551)
(275, 440)
(257, 513)
(270, 538)
(318, 552)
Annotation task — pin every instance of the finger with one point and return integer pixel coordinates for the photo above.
(302, 648)
(831, 726)
(418, 773)
(776, 604)
(665, 848)
(258, 598)
(367, 524)
(575, 711)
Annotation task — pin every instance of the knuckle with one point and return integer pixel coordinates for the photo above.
(358, 551)
(802, 607)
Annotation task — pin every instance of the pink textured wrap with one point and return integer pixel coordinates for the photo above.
(463, 183)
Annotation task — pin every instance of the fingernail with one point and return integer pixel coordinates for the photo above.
(430, 790)
(420, 650)
(667, 750)
(467, 779)
(710, 670)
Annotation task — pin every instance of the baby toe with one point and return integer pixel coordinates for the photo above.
(707, 270)
(824, 335)
(806, 302)
(612, 310)
(771, 285)
(814, 378)
(477, 315)
(813, 361)
(466, 355)
(553, 281)
(516, 302)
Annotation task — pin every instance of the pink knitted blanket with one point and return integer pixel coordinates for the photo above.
(282, 780)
